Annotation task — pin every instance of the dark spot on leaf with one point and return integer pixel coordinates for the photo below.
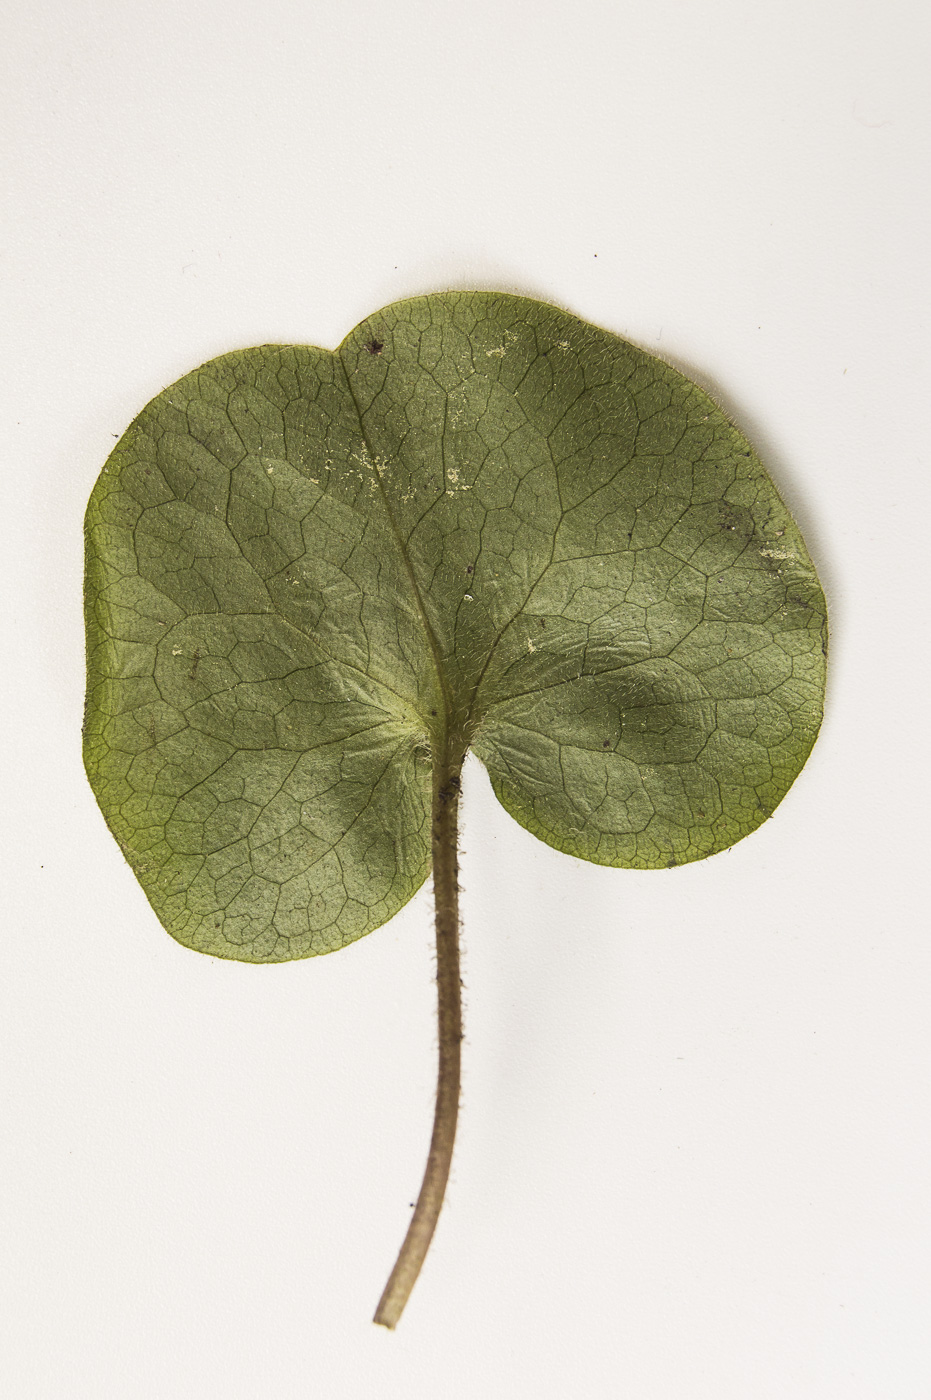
(468, 568)
(606, 743)
(373, 346)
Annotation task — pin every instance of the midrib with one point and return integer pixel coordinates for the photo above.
(431, 637)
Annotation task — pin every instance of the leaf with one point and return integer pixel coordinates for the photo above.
(480, 522)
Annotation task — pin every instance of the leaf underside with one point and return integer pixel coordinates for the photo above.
(480, 517)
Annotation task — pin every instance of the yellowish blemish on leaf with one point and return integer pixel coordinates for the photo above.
(501, 350)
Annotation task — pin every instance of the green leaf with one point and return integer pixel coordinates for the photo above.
(480, 523)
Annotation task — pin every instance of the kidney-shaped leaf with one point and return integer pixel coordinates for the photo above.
(480, 522)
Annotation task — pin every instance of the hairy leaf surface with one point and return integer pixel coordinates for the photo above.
(480, 517)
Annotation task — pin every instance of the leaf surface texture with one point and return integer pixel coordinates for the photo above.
(480, 517)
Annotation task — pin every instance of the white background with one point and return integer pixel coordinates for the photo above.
(695, 1142)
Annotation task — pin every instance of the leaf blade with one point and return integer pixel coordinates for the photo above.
(479, 517)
